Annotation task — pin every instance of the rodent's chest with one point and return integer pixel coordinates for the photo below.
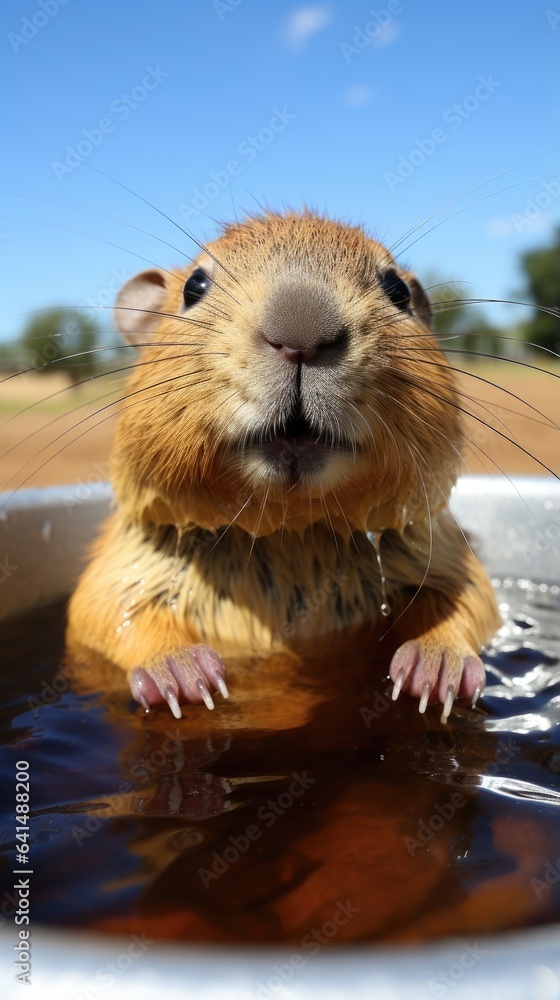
(240, 593)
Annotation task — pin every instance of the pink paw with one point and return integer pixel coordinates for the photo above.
(187, 674)
(429, 670)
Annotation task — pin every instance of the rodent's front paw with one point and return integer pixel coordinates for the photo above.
(183, 675)
(428, 669)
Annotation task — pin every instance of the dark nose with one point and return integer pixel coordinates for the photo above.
(302, 320)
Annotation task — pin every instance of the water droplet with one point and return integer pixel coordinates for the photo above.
(46, 531)
(375, 539)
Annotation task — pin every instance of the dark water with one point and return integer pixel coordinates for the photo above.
(305, 804)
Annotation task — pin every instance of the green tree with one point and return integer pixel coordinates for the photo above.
(53, 338)
(541, 269)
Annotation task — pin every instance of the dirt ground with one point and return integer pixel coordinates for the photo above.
(51, 433)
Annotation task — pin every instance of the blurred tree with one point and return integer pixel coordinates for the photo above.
(542, 286)
(460, 325)
(52, 338)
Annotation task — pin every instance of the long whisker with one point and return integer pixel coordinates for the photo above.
(169, 219)
(423, 361)
(450, 304)
(465, 194)
(117, 246)
(79, 404)
(403, 377)
(254, 534)
(231, 523)
(489, 459)
(90, 416)
(99, 350)
(465, 208)
(431, 543)
(97, 215)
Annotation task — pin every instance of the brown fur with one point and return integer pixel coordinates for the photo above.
(160, 578)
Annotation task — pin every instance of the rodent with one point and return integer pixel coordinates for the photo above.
(291, 421)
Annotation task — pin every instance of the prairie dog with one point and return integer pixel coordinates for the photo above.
(292, 421)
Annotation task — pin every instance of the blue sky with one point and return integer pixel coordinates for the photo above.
(375, 113)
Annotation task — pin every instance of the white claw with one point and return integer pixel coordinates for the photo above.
(221, 685)
(173, 704)
(448, 704)
(476, 696)
(206, 696)
(397, 686)
(425, 698)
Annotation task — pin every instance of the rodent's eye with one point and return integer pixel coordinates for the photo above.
(195, 287)
(397, 289)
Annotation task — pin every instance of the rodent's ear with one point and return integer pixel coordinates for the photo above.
(419, 303)
(138, 304)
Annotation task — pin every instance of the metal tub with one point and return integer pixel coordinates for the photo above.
(43, 537)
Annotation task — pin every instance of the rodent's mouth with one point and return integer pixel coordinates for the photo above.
(295, 449)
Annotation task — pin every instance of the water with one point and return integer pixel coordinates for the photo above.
(375, 539)
(304, 794)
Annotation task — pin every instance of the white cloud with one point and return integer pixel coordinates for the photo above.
(511, 225)
(499, 227)
(387, 34)
(358, 95)
(305, 22)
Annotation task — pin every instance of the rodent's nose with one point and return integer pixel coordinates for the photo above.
(294, 353)
(302, 320)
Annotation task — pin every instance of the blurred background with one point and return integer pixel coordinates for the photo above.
(129, 128)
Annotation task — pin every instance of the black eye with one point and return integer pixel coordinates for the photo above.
(397, 289)
(195, 287)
